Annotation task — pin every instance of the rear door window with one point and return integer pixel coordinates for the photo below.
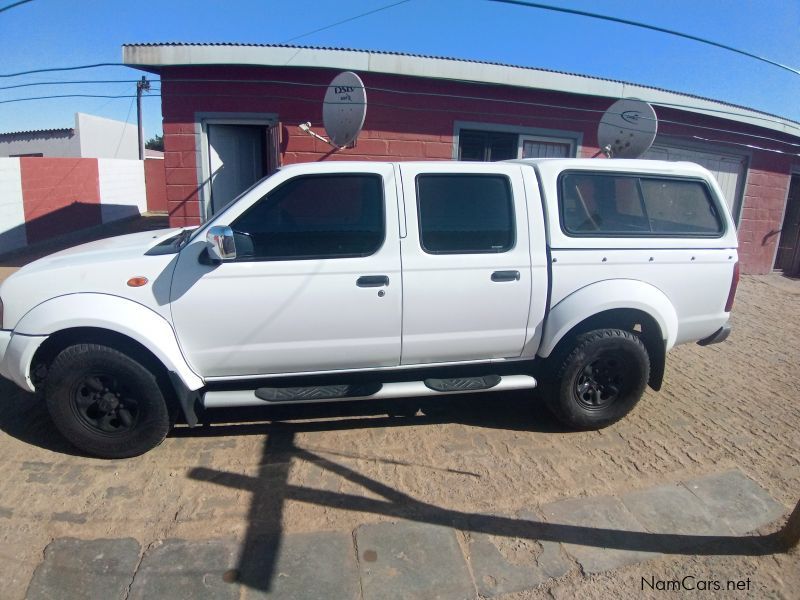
(465, 214)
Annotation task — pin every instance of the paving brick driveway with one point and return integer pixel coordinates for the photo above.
(209, 500)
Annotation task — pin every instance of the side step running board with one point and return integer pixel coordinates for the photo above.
(463, 384)
(401, 389)
(317, 392)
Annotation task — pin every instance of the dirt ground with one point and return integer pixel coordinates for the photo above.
(734, 405)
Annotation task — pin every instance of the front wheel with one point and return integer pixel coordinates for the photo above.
(600, 380)
(105, 403)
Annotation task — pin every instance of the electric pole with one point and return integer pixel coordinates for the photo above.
(142, 85)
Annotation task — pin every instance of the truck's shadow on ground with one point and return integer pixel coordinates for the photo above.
(27, 420)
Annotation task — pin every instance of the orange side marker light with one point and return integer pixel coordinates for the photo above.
(137, 281)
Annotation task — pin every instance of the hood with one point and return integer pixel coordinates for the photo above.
(105, 250)
(101, 267)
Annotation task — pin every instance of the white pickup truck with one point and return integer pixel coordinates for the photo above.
(367, 280)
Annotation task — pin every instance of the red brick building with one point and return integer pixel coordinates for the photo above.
(231, 114)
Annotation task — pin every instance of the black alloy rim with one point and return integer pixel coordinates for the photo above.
(600, 383)
(102, 403)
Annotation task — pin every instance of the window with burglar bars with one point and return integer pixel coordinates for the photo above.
(488, 146)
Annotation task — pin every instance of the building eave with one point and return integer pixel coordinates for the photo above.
(153, 57)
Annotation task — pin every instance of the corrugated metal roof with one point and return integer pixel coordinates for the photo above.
(383, 52)
(31, 131)
(459, 60)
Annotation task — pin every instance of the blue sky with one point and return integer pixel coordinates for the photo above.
(54, 33)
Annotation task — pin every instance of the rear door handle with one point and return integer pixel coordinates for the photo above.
(505, 276)
(372, 281)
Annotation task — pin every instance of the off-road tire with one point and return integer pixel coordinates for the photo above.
(106, 403)
(579, 390)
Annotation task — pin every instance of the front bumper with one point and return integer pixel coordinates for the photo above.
(720, 335)
(16, 354)
(5, 340)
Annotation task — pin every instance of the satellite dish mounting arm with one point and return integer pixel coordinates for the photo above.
(606, 150)
(306, 128)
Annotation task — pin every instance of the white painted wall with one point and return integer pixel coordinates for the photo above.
(12, 213)
(106, 138)
(92, 137)
(122, 188)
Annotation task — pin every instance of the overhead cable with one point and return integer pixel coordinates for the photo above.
(695, 38)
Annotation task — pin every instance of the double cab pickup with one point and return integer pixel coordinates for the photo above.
(369, 280)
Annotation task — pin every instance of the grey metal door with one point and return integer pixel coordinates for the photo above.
(788, 257)
(237, 159)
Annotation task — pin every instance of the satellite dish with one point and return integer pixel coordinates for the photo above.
(627, 129)
(344, 108)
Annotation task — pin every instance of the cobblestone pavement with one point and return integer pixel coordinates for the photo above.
(247, 487)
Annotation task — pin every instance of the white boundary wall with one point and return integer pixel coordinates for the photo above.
(122, 194)
(122, 188)
(12, 212)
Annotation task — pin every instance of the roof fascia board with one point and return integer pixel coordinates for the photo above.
(162, 56)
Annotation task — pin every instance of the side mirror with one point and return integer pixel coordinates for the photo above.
(220, 244)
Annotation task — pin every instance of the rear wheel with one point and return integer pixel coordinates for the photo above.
(600, 380)
(106, 403)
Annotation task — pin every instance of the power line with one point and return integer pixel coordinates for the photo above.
(445, 110)
(54, 69)
(401, 92)
(583, 13)
(97, 109)
(85, 81)
(412, 93)
(776, 119)
(767, 117)
(751, 146)
(15, 4)
(124, 127)
(13, 100)
(496, 114)
(732, 131)
(558, 106)
(342, 22)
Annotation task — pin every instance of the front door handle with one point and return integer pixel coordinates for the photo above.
(372, 281)
(505, 276)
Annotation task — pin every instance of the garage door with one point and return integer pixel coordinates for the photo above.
(729, 169)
